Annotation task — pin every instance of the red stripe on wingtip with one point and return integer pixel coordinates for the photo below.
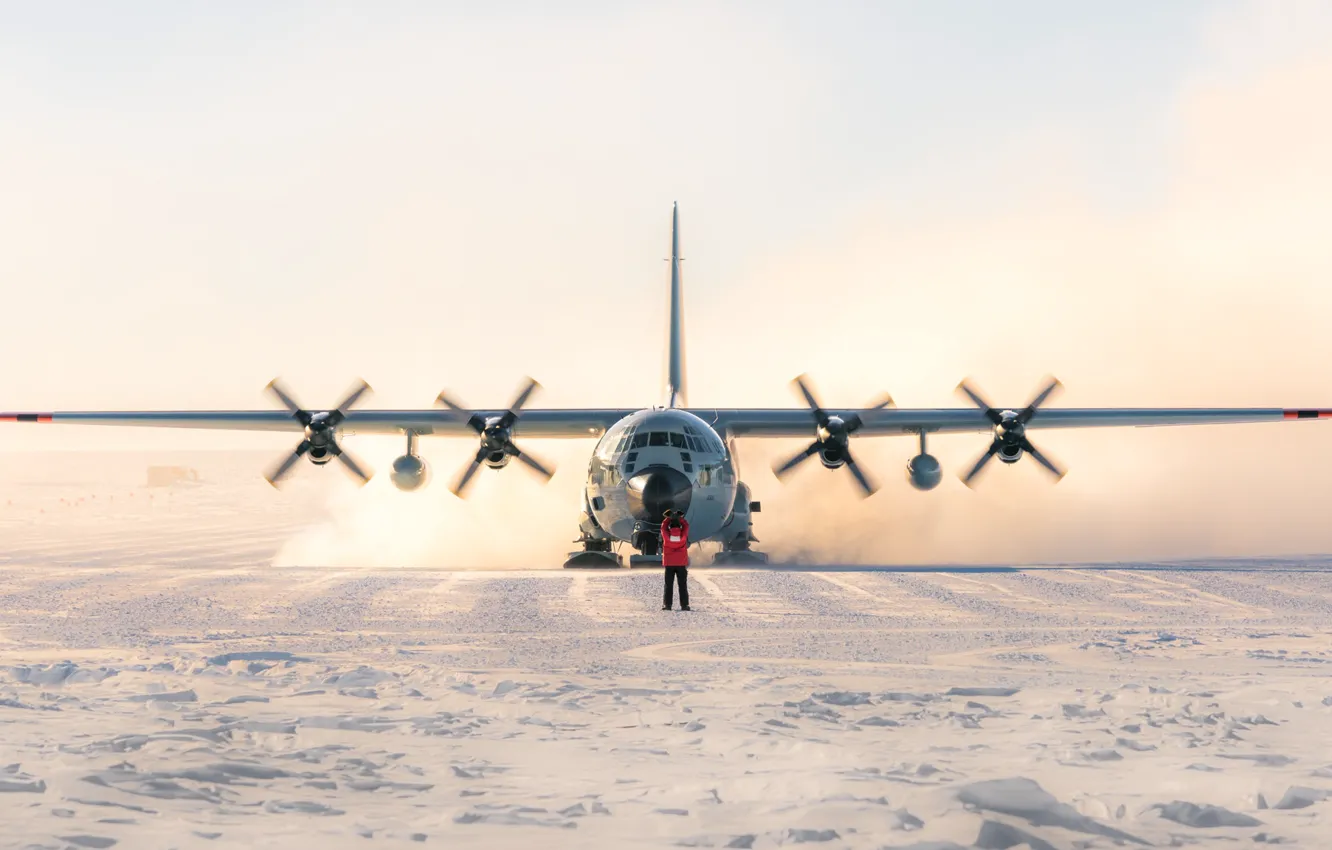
(1306, 414)
(25, 417)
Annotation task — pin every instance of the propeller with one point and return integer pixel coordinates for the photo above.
(1010, 431)
(832, 437)
(320, 442)
(496, 433)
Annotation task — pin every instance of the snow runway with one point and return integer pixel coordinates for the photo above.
(153, 706)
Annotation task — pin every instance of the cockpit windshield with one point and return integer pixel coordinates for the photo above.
(681, 435)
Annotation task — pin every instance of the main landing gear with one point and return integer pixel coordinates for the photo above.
(738, 552)
(596, 552)
(738, 534)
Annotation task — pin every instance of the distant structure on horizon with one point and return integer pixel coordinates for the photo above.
(167, 476)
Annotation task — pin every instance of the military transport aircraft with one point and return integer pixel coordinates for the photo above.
(670, 457)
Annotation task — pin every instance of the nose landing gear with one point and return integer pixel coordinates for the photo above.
(647, 540)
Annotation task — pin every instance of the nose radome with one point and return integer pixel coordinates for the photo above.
(656, 490)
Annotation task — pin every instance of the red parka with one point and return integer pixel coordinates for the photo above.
(675, 543)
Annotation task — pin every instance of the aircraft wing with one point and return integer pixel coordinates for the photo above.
(532, 423)
(800, 422)
(753, 422)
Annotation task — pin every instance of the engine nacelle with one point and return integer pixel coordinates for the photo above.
(410, 472)
(924, 472)
(319, 455)
(832, 456)
(1010, 453)
(497, 460)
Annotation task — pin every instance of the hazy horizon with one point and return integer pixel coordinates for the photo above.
(887, 196)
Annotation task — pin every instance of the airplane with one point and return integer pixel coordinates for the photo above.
(670, 457)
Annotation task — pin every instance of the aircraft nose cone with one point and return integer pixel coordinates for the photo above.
(656, 490)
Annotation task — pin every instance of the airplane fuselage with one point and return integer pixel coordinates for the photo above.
(658, 460)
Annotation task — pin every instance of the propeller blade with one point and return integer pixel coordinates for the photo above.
(452, 406)
(461, 485)
(796, 459)
(532, 463)
(353, 466)
(523, 395)
(354, 394)
(1030, 410)
(860, 475)
(885, 401)
(462, 414)
(801, 383)
(1055, 469)
(980, 464)
(979, 400)
(283, 469)
(279, 391)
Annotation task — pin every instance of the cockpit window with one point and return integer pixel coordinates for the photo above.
(640, 440)
(678, 441)
(658, 438)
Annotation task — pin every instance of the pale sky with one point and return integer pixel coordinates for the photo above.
(1134, 196)
(199, 195)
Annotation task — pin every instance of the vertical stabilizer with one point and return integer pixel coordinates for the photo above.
(675, 370)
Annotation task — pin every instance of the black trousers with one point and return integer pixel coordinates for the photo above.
(680, 575)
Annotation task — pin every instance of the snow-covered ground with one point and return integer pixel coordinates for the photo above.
(162, 686)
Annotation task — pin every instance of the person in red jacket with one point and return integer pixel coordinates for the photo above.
(675, 557)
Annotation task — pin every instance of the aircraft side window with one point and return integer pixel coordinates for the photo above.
(640, 441)
(689, 441)
(658, 438)
(704, 476)
(678, 441)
